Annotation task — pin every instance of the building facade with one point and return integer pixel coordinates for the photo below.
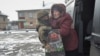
(13, 25)
(28, 18)
(3, 21)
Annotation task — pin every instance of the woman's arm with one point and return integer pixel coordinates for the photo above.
(65, 27)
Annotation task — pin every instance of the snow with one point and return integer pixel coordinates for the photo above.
(20, 43)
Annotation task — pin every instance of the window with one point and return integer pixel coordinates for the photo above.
(21, 15)
(4, 19)
(30, 15)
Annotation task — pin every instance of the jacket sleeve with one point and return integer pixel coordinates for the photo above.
(65, 27)
(37, 28)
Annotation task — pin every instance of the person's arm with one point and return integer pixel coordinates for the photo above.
(65, 27)
(38, 26)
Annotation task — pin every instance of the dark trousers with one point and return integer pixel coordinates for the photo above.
(71, 53)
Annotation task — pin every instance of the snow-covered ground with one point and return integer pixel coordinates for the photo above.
(18, 31)
(20, 43)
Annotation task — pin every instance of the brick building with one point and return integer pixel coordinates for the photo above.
(3, 21)
(28, 18)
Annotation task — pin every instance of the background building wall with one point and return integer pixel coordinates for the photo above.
(3, 22)
(28, 18)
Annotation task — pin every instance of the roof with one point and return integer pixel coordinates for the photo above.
(4, 15)
(1, 14)
(32, 10)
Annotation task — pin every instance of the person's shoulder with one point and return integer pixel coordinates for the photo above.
(67, 17)
(67, 14)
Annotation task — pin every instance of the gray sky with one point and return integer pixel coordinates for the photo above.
(9, 7)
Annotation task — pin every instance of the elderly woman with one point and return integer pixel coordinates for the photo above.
(62, 21)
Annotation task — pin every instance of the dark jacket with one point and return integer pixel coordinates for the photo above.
(63, 23)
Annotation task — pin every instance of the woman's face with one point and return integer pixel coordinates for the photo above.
(56, 14)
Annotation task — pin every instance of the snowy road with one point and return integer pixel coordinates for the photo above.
(20, 43)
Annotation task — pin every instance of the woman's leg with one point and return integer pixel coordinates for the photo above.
(47, 54)
(72, 53)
